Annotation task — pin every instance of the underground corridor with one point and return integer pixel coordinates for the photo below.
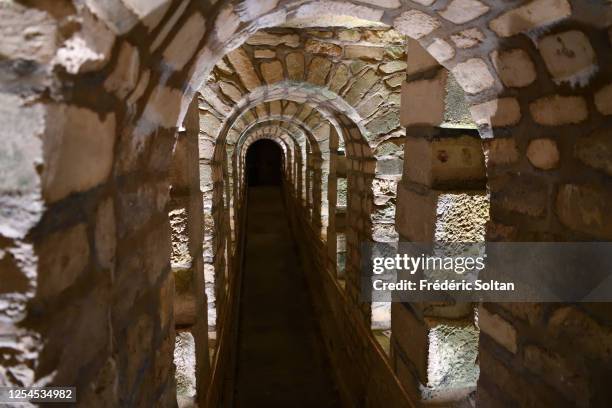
(194, 195)
(278, 340)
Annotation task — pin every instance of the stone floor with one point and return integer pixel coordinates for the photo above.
(281, 359)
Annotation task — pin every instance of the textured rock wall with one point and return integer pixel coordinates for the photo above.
(92, 94)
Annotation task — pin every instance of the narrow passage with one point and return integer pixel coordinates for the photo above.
(281, 359)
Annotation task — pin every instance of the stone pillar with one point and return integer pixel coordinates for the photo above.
(187, 226)
(441, 198)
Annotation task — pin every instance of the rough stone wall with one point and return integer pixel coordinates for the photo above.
(92, 93)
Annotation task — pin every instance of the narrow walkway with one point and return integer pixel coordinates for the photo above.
(281, 359)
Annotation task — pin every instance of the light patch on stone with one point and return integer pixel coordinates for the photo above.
(498, 329)
(162, 109)
(415, 24)
(569, 57)
(295, 66)
(603, 100)
(514, 67)
(441, 50)
(473, 75)
(226, 24)
(543, 153)
(536, 14)
(497, 112)
(264, 54)
(22, 130)
(185, 43)
(78, 151)
(462, 11)
(169, 25)
(392, 66)
(27, 33)
(265, 38)
(249, 10)
(124, 77)
(468, 38)
(88, 49)
(272, 71)
(337, 8)
(242, 64)
(185, 361)
(231, 91)
(558, 110)
(382, 3)
(150, 12)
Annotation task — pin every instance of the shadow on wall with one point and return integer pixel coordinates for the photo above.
(264, 163)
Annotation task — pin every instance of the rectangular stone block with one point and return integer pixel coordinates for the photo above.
(423, 101)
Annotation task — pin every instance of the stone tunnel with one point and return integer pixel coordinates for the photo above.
(186, 188)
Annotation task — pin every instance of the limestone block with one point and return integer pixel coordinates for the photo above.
(395, 81)
(441, 50)
(384, 124)
(170, 23)
(321, 47)
(361, 86)
(559, 110)
(339, 78)
(444, 160)
(473, 75)
(264, 54)
(500, 151)
(27, 32)
(230, 91)
(468, 38)
(272, 71)
(497, 112)
(603, 100)
(568, 56)
(533, 15)
(462, 11)
(295, 66)
(559, 373)
(415, 24)
(63, 257)
(317, 70)
(514, 67)
(423, 101)
(589, 336)
(363, 52)
(185, 43)
(124, 76)
(162, 108)
(349, 35)
(524, 194)
(88, 49)
(586, 209)
(543, 153)
(498, 329)
(443, 352)
(274, 40)
(392, 66)
(595, 150)
(382, 3)
(419, 59)
(78, 151)
(242, 64)
(150, 12)
(461, 217)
